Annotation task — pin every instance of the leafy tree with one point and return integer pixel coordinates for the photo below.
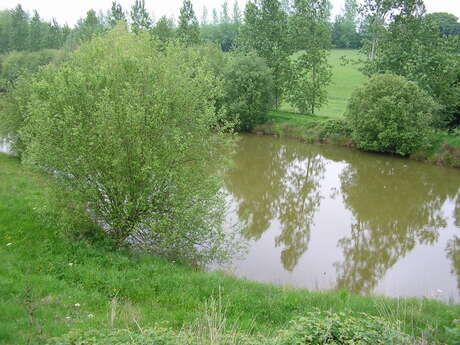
(390, 114)
(448, 23)
(411, 46)
(140, 18)
(224, 31)
(19, 29)
(378, 13)
(215, 17)
(116, 14)
(37, 33)
(310, 71)
(310, 76)
(164, 29)
(236, 16)
(248, 87)
(5, 27)
(345, 29)
(265, 31)
(204, 16)
(132, 133)
(89, 27)
(188, 30)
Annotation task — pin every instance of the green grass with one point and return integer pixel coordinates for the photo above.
(345, 78)
(44, 274)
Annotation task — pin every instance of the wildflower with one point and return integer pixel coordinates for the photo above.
(70, 264)
(90, 316)
(77, 305)
(67, 317)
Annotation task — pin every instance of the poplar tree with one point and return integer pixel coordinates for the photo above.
(116, 14)
(310, 71)
(188, 30)
(266, 32)
(140, 18)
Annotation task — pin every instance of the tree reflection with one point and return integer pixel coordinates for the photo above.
(453, 253)
(394, 208)
(273, 181)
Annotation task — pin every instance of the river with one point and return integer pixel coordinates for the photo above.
(323, 217)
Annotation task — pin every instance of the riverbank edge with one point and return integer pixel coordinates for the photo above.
(310, 129)
(53, 284)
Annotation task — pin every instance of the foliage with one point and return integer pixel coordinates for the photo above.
(164, 29)
(390, 114)
(89, 27)
(132, 132)
(412, 47)
(318, 328)
(16, 64)
(453, 333)
(159, 336)
(446, 22)
(115, 14)
(265, 31)
(310, 74)
(140, 18)
(248, 90)
(20, 32)
(345, 28)
(188, 31)
(335, 128)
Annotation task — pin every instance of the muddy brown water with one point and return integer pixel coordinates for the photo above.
(323, 217)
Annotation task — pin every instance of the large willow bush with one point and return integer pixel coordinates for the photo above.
(131, 131)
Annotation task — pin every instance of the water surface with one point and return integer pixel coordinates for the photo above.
(324, 217)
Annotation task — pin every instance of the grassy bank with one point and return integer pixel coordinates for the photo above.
(50, 284)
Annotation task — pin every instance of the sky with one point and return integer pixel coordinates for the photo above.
(69, 11)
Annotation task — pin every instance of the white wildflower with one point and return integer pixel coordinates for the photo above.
(77, 305)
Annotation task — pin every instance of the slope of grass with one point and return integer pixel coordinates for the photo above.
(345, 78)
(50, 284)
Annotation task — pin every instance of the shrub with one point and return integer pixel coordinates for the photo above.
(390, 114)
(248, 90)
(335, 128)
(131, 130)
(318, 328)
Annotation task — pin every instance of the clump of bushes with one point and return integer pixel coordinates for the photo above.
(390, 114)
(248, 90)
(319, 328)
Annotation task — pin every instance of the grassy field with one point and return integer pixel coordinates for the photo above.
(345, 78)
(50, 284)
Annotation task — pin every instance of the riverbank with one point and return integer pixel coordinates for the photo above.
(444, 149)
(52, 285)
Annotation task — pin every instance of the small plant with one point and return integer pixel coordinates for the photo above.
(319, 328)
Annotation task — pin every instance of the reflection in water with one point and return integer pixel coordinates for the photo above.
(330, 217)
(272, 180)
(453, 253)
(395, 208)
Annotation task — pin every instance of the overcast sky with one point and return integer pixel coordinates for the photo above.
(69, 11)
